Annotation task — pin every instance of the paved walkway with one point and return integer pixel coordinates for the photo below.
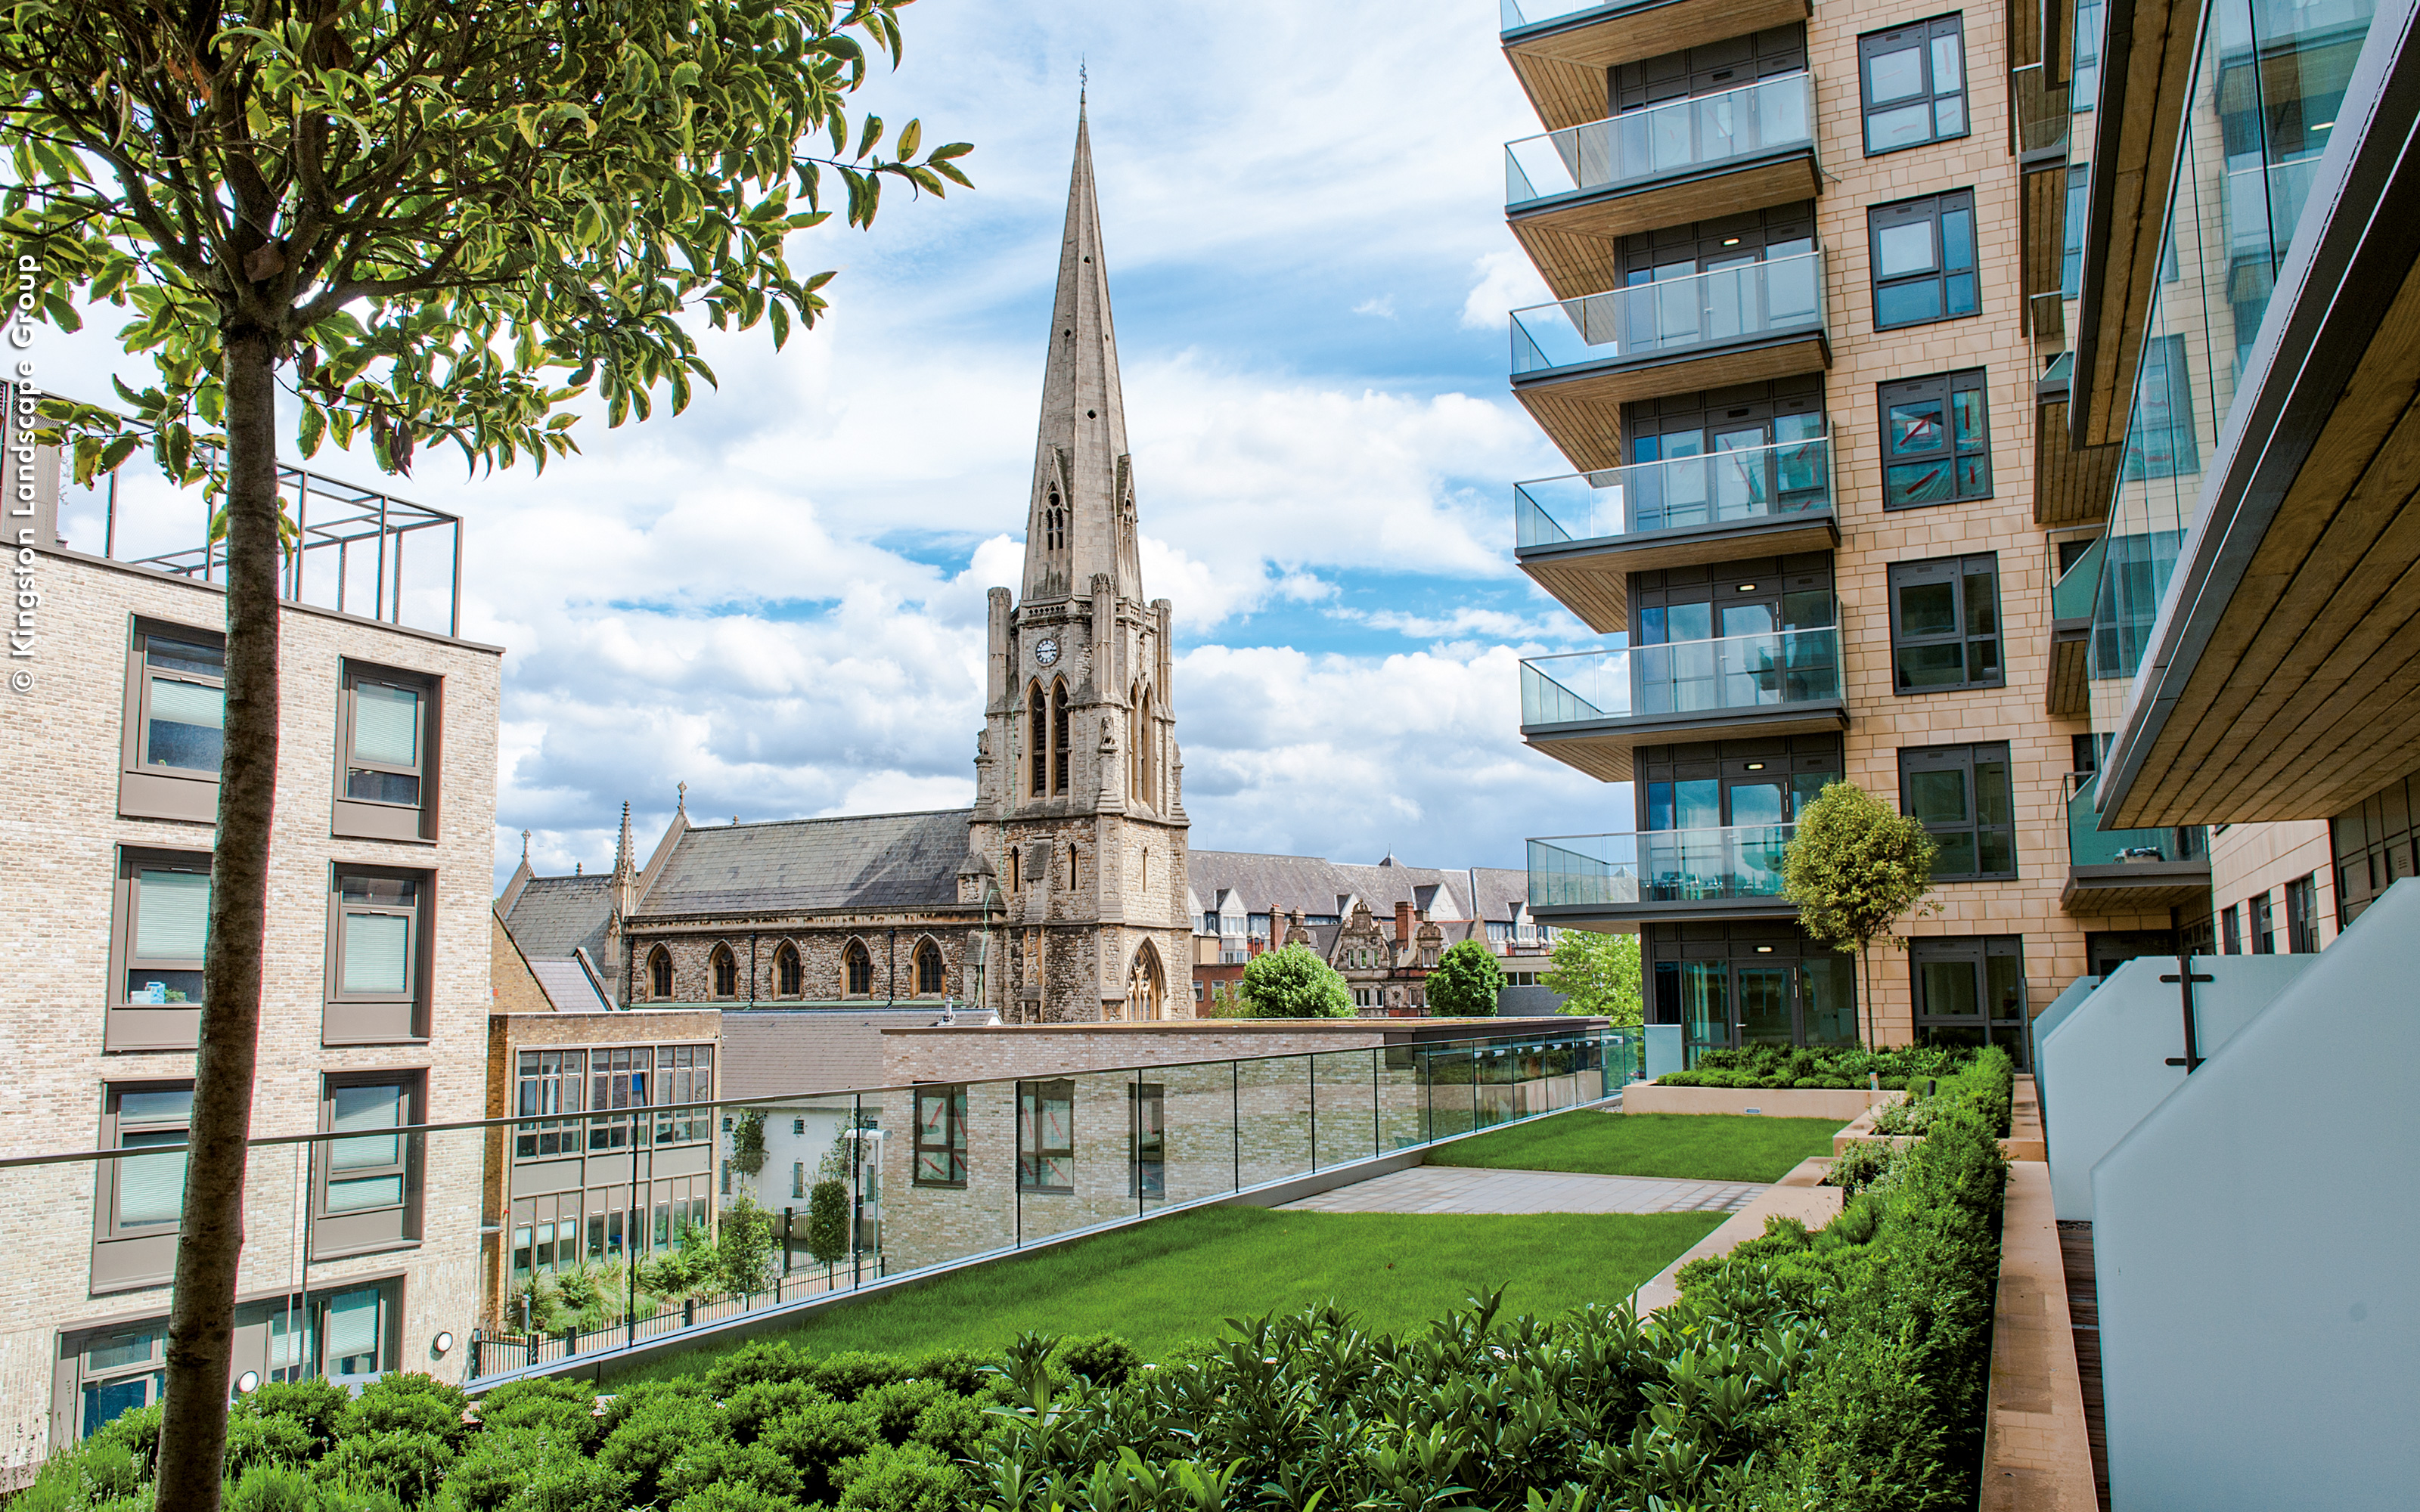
(1469, 1189)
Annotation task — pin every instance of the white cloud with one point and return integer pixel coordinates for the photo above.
(1507, 282)
(1383, 307)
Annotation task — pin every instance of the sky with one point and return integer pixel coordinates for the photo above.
(777, 596)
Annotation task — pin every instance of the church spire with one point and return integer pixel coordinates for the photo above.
(1081, 522)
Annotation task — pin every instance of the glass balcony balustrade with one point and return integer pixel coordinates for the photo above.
(1773, 297)
(1641, 145)
(2039, 116)
(2090, 846)
(1520, 13)
(1658, 866)
(1740, 671)
(2072, 595)
(1752, 482)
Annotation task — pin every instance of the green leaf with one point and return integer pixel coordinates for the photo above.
(909, 137)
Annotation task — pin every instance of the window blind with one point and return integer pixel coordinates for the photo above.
(377, 953)
(172, 914)
(386, 724)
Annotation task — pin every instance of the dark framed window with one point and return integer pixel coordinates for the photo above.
(1045, 1136)
(684, 1075)
(139, 1199)
(1970, 991)
(377, 941)
(1912, 84)
(941, 1136)
(118, 1372)
(617, 1083)
(1150, 1101)
(1061, 746)
(787, 975)
(1936, 441)
(548, 1086)
(1037, 742)
(369, 1180)
(2302, 916)
(355, 1327)
(176, 723)
(859, 967)
(931, 978)
(159, 927)
(726, 972)
(660, 972)
(2264, 924)
(1923, 254)
(1945, 623)
(2230, 929)
(386, 736)
(1964, 797)
(2160, 441)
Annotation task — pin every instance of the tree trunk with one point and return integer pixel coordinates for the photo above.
(1866, 971)
(210, 1236)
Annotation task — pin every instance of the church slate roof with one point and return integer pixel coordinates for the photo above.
(1286, 883)
(896, 860)
(568, 986)
(556, 916)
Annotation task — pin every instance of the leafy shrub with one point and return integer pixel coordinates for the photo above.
(720, 1461)
(136, 1435)
(560, 1410)
(968, 1372)
(268, 1488)
(343, 1496)
(910, 1478)
(626, 1401)
(1866, 1164)
(1909, 1118)
(1099, 1359)
(401, 1401)
(896, 1404)
(726, 1496)
(495, 1463)
(569, 1483)
(852, 1373)
(1756, 1067)
(754, 1406)
(817, 1437)
(661, 1429)
(313, 1405)
(950, 1425)
(758, 1360)
(267, 1441)
(407, 1463)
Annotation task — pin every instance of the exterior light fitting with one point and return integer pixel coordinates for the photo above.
(1764, 950)
(1747, 588)
(247, 1384)
(1756, 766)
(1731, 241)
(443, 1342)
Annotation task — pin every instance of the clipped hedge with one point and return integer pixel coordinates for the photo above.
(1766, 1067)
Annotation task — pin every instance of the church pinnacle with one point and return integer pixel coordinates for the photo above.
(1081, 523)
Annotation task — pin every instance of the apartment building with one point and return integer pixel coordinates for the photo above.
(1795, 365)
(362, 1253)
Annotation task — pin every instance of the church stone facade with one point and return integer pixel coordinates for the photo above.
(1060, 895)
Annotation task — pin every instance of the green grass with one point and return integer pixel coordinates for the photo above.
(1181, 1278)
(1708, 1147)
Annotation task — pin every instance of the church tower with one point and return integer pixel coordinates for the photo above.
(1078, 809)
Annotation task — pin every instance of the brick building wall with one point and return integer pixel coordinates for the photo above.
(59, 819)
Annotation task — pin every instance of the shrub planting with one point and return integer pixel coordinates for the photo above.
(1774, 1067)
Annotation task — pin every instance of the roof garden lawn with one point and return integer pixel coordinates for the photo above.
(1160, 1284)
(1706, 1147)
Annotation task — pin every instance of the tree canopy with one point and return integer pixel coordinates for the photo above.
(1598, 974)
(1854, 867)
(1466, 983)
(1294, 983)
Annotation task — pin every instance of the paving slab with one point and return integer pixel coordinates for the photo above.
(1472, 1189)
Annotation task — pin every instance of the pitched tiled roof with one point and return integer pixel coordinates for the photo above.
(568, 986)
(556, 916)
(1499, 888)
(1286, 883)
(900, 861)
(774, 1053)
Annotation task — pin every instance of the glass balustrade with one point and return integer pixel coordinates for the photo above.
(1520, 13)
(2073, 596)
(548, 1245)
(1752, 482)
(1773, 297)
(1739, 671)
(2090, 846)
(2039, 111)
(1641, 146)
(1659, 866)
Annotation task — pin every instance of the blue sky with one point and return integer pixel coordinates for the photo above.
(777, 596)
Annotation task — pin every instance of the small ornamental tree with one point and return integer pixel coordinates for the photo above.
(1598, 976)
(1294, 983)
(828, 1223)
(1465, 982)
(743, 1244)
(1856, 868)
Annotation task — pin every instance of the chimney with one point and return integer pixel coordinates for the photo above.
(1276, 929)
(1404, 922)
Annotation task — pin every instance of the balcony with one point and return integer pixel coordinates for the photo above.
(1589, 709)
(2131, 871)
(2071, 634)
(1582, 536)
(2072, 484)
(1560, 49)
(1572, 195)
(1576, 363)
(1732, 872)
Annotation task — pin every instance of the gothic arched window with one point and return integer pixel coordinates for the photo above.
(930, 978)
(859, 967)
(1038, 741)
(659, 973)
(786, 975)
(1054, 525)
(726, 973)
(1060, 738)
